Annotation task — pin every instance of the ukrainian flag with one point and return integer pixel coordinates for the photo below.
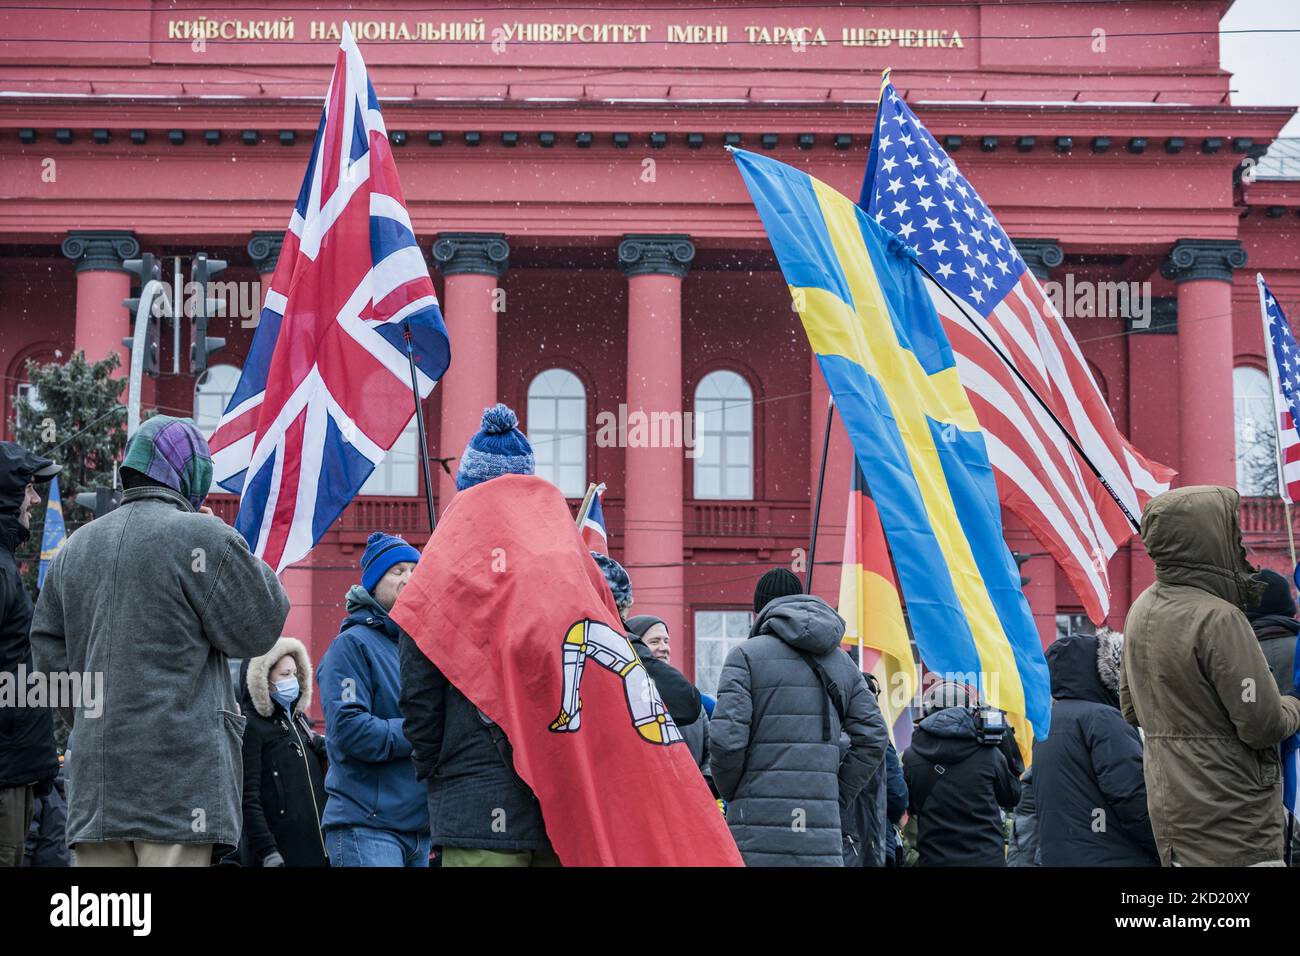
(890, 370)
(54, 534)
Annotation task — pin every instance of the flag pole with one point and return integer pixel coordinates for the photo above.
(1096, 472)
(1281, 484)
(584, 509)
(419, 424)
(1277, 416)
(817, 506)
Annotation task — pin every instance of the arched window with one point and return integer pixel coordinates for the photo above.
(724, 431)
(1256, 431)
(557, 429)
(212, 394)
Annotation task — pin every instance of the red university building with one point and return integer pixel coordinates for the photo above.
(593, 245)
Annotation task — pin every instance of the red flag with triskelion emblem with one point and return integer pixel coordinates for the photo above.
(508, 604)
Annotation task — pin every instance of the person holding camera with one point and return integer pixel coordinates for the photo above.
(960, 775)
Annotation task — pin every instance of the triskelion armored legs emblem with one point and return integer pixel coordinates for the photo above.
(592, 640)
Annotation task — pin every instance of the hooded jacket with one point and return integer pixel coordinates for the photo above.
(27, 753)
(156, 598)
(1196, 682)
(371, 779)
(956, 785)
(1092, 800)
(284, 781)
(774, 759)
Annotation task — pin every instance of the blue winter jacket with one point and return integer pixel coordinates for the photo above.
(371, 779)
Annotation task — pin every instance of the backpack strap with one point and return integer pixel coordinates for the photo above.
(831, 696)
(925, 786)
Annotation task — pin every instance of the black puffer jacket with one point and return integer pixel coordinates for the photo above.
(284, 776)
(955, 786)
(27, 753)
(774, 738)
(1277, 639)
(1091, 795)
(476, 799)
(868, 825)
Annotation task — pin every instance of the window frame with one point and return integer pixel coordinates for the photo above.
(1270, 488)
(698, 423)
(583, 433)
(728, 641)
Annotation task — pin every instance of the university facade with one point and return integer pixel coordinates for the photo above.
(596, 254)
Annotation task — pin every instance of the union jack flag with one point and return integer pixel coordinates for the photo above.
(915, 190)
(1284, 370)
(593, 524)
(326, 388)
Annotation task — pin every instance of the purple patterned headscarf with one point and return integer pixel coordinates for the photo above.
(174, 452)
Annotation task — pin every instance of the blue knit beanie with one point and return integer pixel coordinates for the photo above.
(382, 552)
(498, 448)
(620, 585)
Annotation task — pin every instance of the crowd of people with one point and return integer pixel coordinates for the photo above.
(1163, 748)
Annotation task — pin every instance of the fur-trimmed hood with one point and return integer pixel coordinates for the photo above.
(258, 676)
(1110, 655)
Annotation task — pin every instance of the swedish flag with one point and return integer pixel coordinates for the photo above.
(891, 371)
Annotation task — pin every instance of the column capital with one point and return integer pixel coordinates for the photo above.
(1040, 255)
(264, 249)
(479, 253)
(1192, 259)
(669, 255)
(101, 250)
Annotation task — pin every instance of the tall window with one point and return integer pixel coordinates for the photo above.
(557, 430)
(716, 633)
(212, 394)
(30, 392)
(724, 429)
(1256, 431)
(399, 472)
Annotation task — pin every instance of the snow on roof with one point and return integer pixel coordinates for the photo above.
(1282, 161)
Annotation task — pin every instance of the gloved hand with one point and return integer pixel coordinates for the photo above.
(273, 859)
(41, 788)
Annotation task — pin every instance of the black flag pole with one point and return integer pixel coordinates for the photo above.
(419, 424)
(975, 324)
(817, 506)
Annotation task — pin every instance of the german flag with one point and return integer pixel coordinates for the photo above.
(873, 611)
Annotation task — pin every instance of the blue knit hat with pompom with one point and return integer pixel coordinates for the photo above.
(497, 448)
(382, 552)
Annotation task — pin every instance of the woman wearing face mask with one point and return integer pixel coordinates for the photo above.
(284, 779)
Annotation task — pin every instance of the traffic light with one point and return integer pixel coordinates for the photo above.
(100, 501)
(201, 344)
(148, 268)
(1021, 558)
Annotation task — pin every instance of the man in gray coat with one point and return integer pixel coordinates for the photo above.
(774, 740)
(144, 606)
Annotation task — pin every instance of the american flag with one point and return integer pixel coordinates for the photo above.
(326, 389)
(1284, 370)
(915, 190)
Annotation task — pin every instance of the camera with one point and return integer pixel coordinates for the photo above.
(990, 724)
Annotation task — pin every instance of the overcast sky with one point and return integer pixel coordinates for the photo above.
(1265, 66)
